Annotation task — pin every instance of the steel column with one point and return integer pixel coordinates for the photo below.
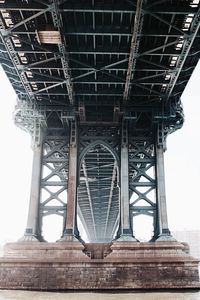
(126, 231)
(70, 232)
(32, 228)
(164, 233)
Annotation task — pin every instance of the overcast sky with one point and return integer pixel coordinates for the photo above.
(183, 162)
(182, 165)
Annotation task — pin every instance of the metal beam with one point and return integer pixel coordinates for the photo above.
(38, 63)
(170, 9)
(12, 6)
(95, 70)
(155, 64)
(109, 32)
(89, 196)
(42, 75)
(49, 87)
(195, 25)
(81, 110)
(64, 54)
(165, 22)
(148, 12)
(137, 28)
(142, 208)
(29, 19)
(14, 59)
(114, 174)
(34, 47)
(98, 10)
(163, 46)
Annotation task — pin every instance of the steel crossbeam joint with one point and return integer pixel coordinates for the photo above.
(30, 119)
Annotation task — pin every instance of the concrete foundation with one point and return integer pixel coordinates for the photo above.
(123, 265)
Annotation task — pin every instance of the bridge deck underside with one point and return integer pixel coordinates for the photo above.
(98, 194)
(99, 60)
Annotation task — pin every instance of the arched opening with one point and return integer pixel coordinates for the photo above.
(98, 194)
(52, 227)
(143, 227)
(53, 202)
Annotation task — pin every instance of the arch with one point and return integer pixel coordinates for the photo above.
(52, 227)
(98, 199)
(143, 228)
(92, 145)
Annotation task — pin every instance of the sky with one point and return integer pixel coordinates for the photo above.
(182, 162)
(182, 165)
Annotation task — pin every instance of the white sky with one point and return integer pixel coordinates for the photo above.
(182, 162)
(182, 166)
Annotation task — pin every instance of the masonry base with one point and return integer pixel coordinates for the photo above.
(124, 265)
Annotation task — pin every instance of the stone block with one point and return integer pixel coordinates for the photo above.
(122, 265)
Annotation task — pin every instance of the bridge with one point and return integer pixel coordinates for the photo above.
(99, 87)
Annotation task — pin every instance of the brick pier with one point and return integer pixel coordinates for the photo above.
(123, 265)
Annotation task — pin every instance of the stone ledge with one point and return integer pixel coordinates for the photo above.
(147, 245)
(97, 262)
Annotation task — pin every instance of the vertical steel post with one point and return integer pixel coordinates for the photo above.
(32, 230)
(126, 233)
(71, 231)
(164, 233)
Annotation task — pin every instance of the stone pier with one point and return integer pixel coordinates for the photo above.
(119, 265)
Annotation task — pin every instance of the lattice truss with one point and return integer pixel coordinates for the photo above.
(105, 58)
(29, 118)
(54, 178)
(98, 189)
(142, 180)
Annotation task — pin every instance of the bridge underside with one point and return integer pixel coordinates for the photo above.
(98, 87)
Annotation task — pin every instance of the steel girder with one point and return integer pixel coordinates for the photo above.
(173, 27)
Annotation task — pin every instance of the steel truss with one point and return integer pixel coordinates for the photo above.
(54, 177)
(86, 52)
(29, 118)
(91, 68)
(142, 179)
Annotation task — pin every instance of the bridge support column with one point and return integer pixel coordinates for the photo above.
(126, 233)
(164, 232)
(32, 230)
(70, 230)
